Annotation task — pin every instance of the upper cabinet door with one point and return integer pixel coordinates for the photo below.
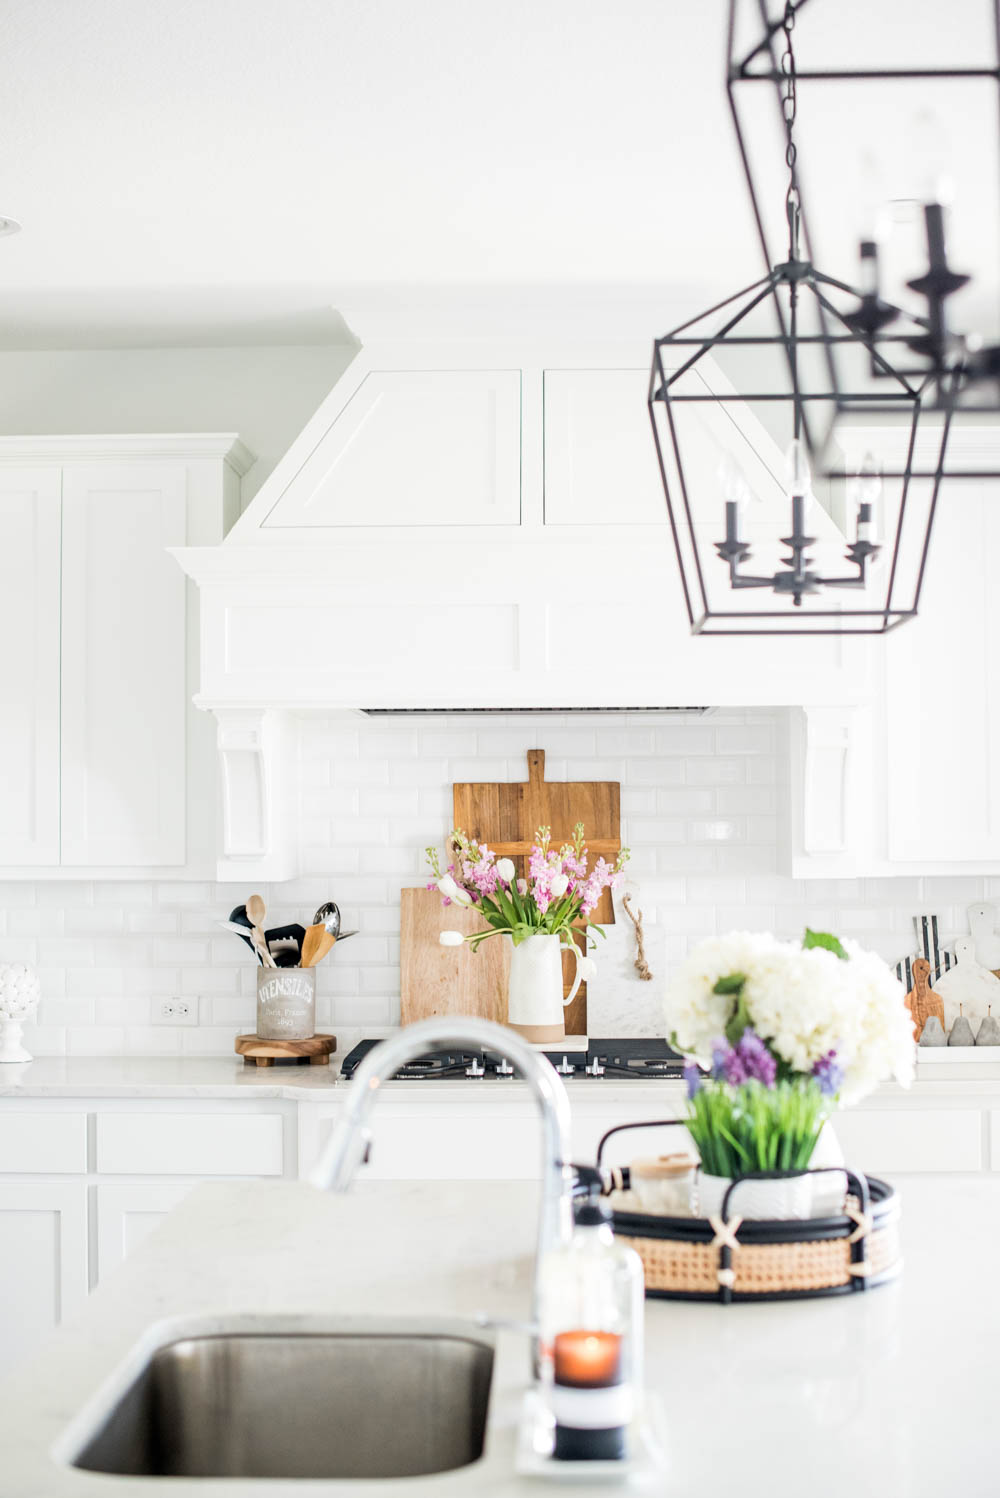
(600, 461)
(414, 447)
(29, 682)
(943, 693)
(123, 666)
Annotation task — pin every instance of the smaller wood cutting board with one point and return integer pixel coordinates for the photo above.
(448, 980)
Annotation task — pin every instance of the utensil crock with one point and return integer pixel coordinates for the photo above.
(286, 1003)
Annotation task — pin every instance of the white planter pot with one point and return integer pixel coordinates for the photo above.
(792, 1198)
(535, 1000)
(828, 1191)
(783, 1199)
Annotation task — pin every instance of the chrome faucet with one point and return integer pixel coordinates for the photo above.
(348, 1144)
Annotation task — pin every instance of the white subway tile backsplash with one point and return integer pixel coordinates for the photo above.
(123, 892)
(95, 1040)
(640, 801)
(179, 893)
(94, 980)
(700, 800)
(683, 860)
(19, 896)
(716, 830)
(30, 920)
(714, 771)
(746, 740)
(688, 801)
(741, 858)
(655, 771)
(656, 830)
(378, 801)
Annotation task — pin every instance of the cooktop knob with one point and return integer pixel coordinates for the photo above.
(475, 1068)
(504, 1068)
(595, 1069)
(565, 1067)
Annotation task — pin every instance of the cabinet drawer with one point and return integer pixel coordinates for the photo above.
(919, 1139)
(43, 1143)
(199, 1144)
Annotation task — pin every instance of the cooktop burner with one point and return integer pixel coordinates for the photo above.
(603, 1058)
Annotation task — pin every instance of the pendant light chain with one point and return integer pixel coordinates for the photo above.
(789, 109)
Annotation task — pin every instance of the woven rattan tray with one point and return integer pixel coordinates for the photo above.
(728, 1259)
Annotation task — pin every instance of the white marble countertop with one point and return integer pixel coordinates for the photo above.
(888, 1392)
(229, 1077)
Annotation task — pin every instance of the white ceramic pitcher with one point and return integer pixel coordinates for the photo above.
(535, 1001)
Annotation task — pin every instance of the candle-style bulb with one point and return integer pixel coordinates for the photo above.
(874, 220)
(865, 493)
(732, 480)
(868, 281)
(935, 183)
(798, 476)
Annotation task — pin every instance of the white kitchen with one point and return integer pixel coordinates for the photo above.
(499, 790)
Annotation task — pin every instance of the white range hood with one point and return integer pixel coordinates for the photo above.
(474, 525)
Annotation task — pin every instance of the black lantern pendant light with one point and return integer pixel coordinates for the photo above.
(712, 466)
(958, 372)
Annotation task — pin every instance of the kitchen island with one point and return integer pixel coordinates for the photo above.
(825, 1397)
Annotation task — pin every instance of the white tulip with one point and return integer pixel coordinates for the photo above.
(506, 870)
(451, 891)
(451, 938)
(559, 886)
(588, 968)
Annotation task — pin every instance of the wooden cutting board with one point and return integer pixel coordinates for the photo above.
(506, 816)
(448, 980)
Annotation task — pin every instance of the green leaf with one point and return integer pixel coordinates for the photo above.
(739, 1021)
(732, 983)
(505, 906)
(826, 941)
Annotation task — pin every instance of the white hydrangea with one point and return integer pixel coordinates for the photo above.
(19, 990)
(804, 1003)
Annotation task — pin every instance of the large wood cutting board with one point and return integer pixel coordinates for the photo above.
(448, 980)
(506, 816)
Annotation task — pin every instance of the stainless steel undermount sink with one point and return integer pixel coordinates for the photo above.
(393, 1403)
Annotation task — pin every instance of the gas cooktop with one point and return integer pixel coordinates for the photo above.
(602, 1058)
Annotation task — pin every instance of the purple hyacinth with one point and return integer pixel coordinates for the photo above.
(758, 1063)
(747, 1061)
(720, 1055)
(692, 1078)
(829, 1074)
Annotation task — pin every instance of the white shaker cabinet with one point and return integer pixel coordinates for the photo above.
(909, 783)
(43, 1261)
(105, 765)
(943, 693)
(29, 682)
(128, 1214)
(123, 669)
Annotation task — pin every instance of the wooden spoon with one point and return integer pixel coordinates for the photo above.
(256, 911)
(316, 943)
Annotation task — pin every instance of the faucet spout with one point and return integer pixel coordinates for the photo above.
(348, 1143)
